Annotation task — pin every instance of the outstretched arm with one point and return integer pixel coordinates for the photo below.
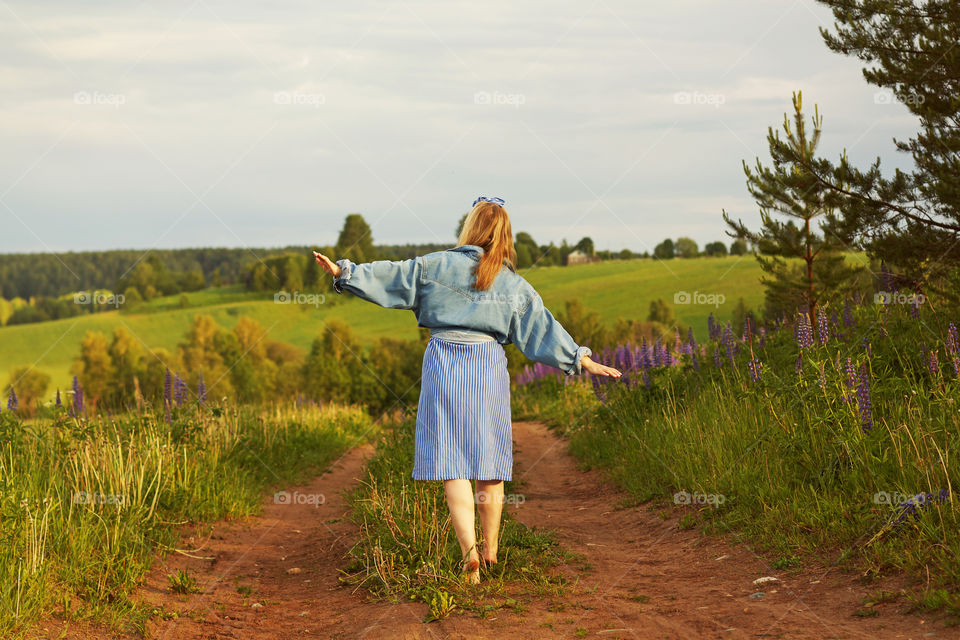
(386, 283)
(541, 338)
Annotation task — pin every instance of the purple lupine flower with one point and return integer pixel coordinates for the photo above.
(933, 363)
(755, 367)
(646, 379)
(847, 313)
(690, 339)
(167, 387)
(851, 380)
(59, 403)
(802, 331)
(716, 356)
(953, 340)
(77, 397)
(728, 343)
(695, 360)
(12, 400)
(886, 278)
(823, 331)
(601, 396)
(915, 307)
(202, 391)
(712, 329)
(912, 507)
(864, 401)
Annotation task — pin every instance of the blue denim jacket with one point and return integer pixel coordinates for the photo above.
(438, 287)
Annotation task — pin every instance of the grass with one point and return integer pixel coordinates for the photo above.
(616, 288)
(798, 473)
(86, 505)
(408, 550)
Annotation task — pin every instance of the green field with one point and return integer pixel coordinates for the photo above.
(614, 289)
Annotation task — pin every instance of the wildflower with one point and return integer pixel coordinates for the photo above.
(713, 330)
(755, 367)
(823, 331)
(851, 380)
(690, 340)
(77, 397)
(914, 504)
(847, 313)
(953, 341)
(202, 391)
(167, 387)
(864, 401)
(646, 379)
(728, 343)
(933, 363)
(59, 404)
(601, 396)
(822, 379)
(12, 400)
(716, 356)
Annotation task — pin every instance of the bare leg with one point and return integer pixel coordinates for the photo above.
(490, 506)
(460, 502)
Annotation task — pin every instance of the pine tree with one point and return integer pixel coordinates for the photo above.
(788, 189)
(911, 220)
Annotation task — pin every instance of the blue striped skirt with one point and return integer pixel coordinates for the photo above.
(463, 419)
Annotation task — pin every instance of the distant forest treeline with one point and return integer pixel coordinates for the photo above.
(27, 275)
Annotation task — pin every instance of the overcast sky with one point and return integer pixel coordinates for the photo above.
(255, 123)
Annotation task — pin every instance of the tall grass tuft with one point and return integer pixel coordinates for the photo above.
(86, 504)
(408, 548)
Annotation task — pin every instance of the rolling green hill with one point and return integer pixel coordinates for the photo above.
(615, 289)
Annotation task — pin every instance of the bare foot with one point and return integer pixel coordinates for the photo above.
(488, 556)
(471, 570)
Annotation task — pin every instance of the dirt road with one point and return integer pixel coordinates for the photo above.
(276, 575)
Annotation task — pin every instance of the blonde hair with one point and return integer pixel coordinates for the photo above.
(488, 227)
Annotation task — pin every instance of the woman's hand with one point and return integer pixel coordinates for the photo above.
(328, 265)
(597, 369)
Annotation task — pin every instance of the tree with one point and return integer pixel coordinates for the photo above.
(356, 240)
(715, 249)
(660, 312)
(30, 385)
(738, 247)
(909, 219)
(463, 219)
(585, 246)
(686, 248)
(94, 367)
(625, 254)
(527, 250)
(791, 191)
(664, 250)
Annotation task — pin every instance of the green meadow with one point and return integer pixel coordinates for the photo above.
(615, 289)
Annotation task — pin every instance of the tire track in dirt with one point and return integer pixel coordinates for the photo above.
(646, 578)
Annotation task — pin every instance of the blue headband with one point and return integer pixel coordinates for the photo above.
(498, 201)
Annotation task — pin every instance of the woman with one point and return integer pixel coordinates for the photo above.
(472, 300)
